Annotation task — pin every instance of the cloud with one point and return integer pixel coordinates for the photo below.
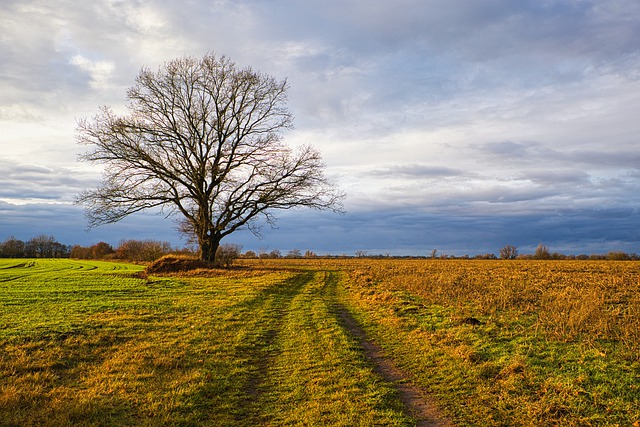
(22, 183)
(99, 71)
(409, 232)
(416, 171)
(66, 222)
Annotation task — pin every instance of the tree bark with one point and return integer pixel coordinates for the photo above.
(208, 248)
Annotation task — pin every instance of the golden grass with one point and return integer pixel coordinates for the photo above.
(570, 300)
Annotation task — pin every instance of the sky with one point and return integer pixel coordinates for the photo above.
(455, 125)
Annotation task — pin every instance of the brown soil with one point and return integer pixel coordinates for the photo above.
(416, 400)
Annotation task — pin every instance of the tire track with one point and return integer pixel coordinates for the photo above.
(415, 400)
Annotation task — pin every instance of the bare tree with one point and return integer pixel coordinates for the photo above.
(542, 252)
(202, 140)
(509, 252)
(294, 253)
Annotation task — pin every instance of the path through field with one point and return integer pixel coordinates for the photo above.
(416, 401)
(312, 323)
(315, 306)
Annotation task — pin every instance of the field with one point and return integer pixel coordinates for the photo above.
(284, 342)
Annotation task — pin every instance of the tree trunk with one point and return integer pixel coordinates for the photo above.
(208, 248)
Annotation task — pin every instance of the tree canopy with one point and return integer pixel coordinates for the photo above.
(202, 140)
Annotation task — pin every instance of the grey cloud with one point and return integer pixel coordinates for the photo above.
(416, 171)
(557, 177)
(397, 232)
(67, 223)
(458, 196)
(508, 148)
(606, 158)
(513, 191)
(535, 152)
(478, 31)
(32, 181)
(521, 154)
(410, 232)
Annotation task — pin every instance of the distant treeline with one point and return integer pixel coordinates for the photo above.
(43, 246)
(610, 256)
(508, 252)
(542, 252)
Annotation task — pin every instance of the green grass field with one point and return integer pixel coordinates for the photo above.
(89, 343)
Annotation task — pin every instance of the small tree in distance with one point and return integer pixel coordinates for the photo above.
(202, 140)
(294, 253)
(542, 252)
(275, 254)
(509, 252)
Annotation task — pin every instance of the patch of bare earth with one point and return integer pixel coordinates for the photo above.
(416, 400)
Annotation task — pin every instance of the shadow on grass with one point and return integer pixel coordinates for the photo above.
(233, 392)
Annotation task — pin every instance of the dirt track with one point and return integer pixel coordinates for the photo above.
(416, 401)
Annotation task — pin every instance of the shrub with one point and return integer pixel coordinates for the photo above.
(142, 250)
(227, 253)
